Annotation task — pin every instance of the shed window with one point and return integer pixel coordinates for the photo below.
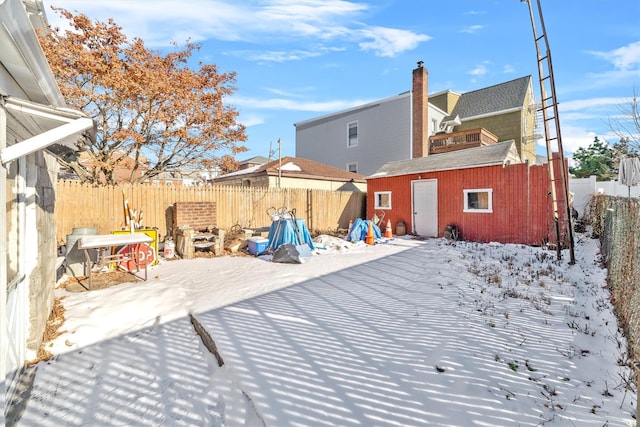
(478, 200)
(382, 200)
(352, 134)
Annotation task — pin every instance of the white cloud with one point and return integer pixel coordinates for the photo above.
(251, 120)
(475, 12)
(295, 105)
(281, 92)
(575, 137)
(592, 103)
(390, 41)
(292, 21)
(280, 55)
(479, 70)
(624, 58)
(472, 29)
(276, 56)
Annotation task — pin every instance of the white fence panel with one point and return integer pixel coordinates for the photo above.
(584, 188)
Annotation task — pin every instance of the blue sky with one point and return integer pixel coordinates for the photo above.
(296, 60)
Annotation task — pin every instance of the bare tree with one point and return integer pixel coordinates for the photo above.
(626, 127)
(148, 107)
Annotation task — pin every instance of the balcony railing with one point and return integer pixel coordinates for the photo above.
(444, 142)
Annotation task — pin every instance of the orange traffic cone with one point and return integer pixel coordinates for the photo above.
(370, 239)
(388, 234)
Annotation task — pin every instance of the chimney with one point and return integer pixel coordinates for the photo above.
(420, 119)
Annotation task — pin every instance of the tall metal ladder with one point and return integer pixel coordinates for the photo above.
(551, 121)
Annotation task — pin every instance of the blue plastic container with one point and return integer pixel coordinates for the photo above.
(257, 245)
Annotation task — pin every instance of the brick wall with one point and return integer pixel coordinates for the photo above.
(197, 215)
(420, 111)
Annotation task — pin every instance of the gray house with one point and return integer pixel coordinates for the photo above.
(33, 120)
(415, 124)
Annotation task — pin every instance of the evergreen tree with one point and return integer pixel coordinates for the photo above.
(597, 159)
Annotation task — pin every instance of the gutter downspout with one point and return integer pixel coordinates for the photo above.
(3, 263)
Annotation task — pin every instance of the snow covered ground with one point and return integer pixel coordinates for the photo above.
(403, 333)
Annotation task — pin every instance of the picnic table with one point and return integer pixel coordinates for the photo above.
(102, 242)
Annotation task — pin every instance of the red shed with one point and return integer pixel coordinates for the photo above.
(486, 192)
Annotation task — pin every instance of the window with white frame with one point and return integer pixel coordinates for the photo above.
(478, 200)
(352, 167)
(352, 134)
(382, 199)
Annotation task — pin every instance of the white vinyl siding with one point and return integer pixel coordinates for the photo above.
(384, 135)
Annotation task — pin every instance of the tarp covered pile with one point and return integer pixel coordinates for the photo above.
(284, 230)
(360, 228)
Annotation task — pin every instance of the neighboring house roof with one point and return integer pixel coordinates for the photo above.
(183, 174)
(343, 113)
(504, 96)
(245, 171)
(260, 160)
(489, 155)
(541, 160)
(295, 167)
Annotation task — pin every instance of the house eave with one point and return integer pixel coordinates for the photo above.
(314, 177)
(23, 57)
(493, 113)
(33, 127)
(359, 107)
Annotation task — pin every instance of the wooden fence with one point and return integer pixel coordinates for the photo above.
(82, 205)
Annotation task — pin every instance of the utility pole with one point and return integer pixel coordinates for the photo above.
(279, 162)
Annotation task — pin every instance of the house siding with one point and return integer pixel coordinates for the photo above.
(271, 181)
(521, 205)
(445, 101)
(528, 147)
(384, 134)
(317, 184)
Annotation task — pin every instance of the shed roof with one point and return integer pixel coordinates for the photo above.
(261, 160)
(490, 155)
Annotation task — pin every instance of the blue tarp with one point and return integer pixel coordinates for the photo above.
(360, 228)
(283, 231)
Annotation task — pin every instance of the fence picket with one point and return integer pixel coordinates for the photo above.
(82, 205)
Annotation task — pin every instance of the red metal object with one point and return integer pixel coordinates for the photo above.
(137, 256)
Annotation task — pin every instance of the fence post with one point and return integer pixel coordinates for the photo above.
(636, 367)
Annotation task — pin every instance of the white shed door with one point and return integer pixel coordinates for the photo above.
(425, 207)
